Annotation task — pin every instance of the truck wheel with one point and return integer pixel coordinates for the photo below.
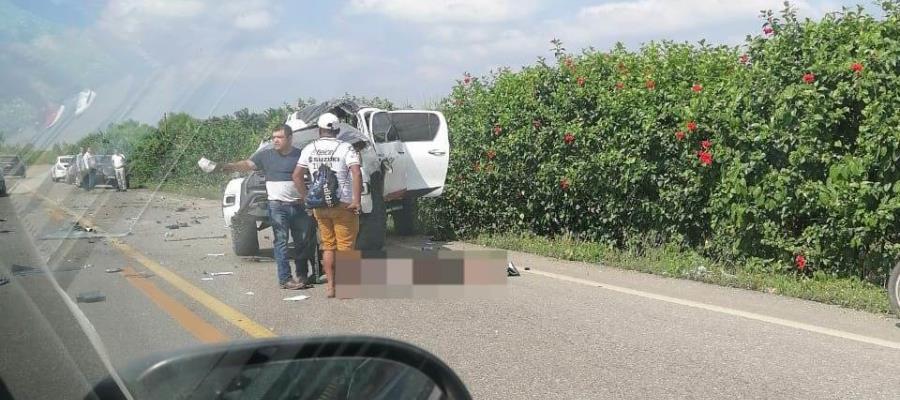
(405, 218)
(244, 240)
(372, 226)
(894, 289)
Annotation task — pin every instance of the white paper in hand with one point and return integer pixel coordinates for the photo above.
(206, 165)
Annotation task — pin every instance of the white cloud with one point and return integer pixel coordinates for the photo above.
(467, 11)
(255, 20)
(301, 49)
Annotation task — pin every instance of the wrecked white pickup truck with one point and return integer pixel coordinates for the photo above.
(404, 156)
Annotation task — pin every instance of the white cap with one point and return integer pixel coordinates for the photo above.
(328, 121)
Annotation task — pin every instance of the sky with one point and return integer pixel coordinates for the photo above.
(146, 57)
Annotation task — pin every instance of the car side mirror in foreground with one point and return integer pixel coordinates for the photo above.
(332, 367)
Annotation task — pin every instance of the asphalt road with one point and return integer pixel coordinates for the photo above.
(562, 330)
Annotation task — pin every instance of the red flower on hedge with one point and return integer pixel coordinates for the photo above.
(745, 58)
(619, 85)
(650, 84)
(569, 62)
(497, 130)
(856, 67)
(697, 88)
(477, 167)
(691, 126)
(580, 81)
(800, 262)
(622, 68)
(569, 138)
(705, 157)
(491, 154)
(706, 144)
(768, 30)
(536, 124)
(679, 135)
(809, 78)
(564, 184)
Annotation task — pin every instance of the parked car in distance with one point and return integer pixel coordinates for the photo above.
(59, 170)
(12, 165)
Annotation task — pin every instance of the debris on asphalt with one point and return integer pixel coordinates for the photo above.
(167, 235)
(511, 269)
(249, 293)
(218, 273)
(528, 268)
(427, 248)
(296, 298)
(6, 231)
(215, 254)
(3, 280)
(173, 226)
(113, 270)
(206, 279)
(180, 209)
(196, 238)
(90, 297)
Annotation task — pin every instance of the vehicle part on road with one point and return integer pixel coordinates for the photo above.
(296, 298)
(113, 270)
(894, 289)
(511, 269)
(194, 238)
(91, 297)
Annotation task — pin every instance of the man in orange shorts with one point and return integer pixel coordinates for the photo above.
(337, 207)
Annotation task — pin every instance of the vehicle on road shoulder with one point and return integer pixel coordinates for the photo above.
(404, 156)
(59, 170)
(12, 165)
(3, 189)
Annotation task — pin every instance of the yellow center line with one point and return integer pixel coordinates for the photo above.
(213, 304)
(188, 319)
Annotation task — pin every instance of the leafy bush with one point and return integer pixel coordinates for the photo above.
(785, 154)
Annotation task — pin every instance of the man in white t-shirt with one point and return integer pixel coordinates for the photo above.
(338, 225)
(91, 163)
(119, 164)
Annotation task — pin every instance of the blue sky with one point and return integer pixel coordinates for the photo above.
(214, 57)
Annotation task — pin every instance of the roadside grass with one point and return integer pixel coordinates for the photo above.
(673, 261)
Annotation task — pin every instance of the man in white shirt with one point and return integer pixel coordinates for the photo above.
(339, 224)
(91, 165)
(119, 164)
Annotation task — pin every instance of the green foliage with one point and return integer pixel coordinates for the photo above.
(589, 147)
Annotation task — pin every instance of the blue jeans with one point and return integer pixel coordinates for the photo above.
(92, 179)
(291, 219)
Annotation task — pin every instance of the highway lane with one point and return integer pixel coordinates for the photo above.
(563, 330)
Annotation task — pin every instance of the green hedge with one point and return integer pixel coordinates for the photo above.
(783, 153)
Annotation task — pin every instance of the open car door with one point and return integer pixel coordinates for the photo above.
(426, 143)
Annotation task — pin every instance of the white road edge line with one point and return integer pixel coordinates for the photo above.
(724, 310)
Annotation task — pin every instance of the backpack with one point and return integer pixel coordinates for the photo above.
(324, 189)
